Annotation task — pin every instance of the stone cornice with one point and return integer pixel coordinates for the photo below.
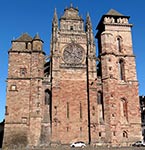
(26, 51)
(19, 78)
(76, 66)
(117, 24)
(117, 55)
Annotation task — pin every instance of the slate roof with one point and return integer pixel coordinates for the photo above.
(113, 12)
(25, 37)
(36, 37)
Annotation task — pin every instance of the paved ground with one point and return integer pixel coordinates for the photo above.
(86, 148)
(96, 148)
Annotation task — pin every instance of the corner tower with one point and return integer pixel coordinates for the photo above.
(119, 81)
(24, 92)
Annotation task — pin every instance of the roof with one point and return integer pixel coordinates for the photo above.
(113, 12)
(36, 37)
(25, 37)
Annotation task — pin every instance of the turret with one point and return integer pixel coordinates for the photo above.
(37, 43)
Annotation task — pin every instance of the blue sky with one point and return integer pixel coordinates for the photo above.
(35, 16)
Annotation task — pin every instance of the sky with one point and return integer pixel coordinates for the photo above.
(35, 16)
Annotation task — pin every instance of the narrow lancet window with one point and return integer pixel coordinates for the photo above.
(125, 134)
(119, 44)
(121, 70)
(124, 110)
(26, 45)
(80, 110)
(100, 106)
(67, 109)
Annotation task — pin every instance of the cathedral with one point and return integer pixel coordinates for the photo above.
(74, 94)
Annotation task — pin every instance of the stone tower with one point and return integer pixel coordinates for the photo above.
(119, 82)
(24, 91)
(72, 95)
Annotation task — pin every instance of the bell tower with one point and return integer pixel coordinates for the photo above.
(119, 81)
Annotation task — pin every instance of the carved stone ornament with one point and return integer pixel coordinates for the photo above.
(73, 54)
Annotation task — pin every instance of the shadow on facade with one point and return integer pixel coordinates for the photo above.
(142, 108)
(1, 133)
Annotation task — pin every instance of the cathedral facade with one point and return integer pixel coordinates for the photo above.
(74, 94)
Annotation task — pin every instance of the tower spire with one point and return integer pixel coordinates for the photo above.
(89, 28)
(55, 18)
(36, 37)
(71, 5)
(88, 22)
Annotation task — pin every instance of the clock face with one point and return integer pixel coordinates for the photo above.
(73, 54)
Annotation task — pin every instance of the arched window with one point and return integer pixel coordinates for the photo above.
(125, 134)
(121, 69)
(47, 97)
(100, 106)
(124, 110)
(119, 44)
